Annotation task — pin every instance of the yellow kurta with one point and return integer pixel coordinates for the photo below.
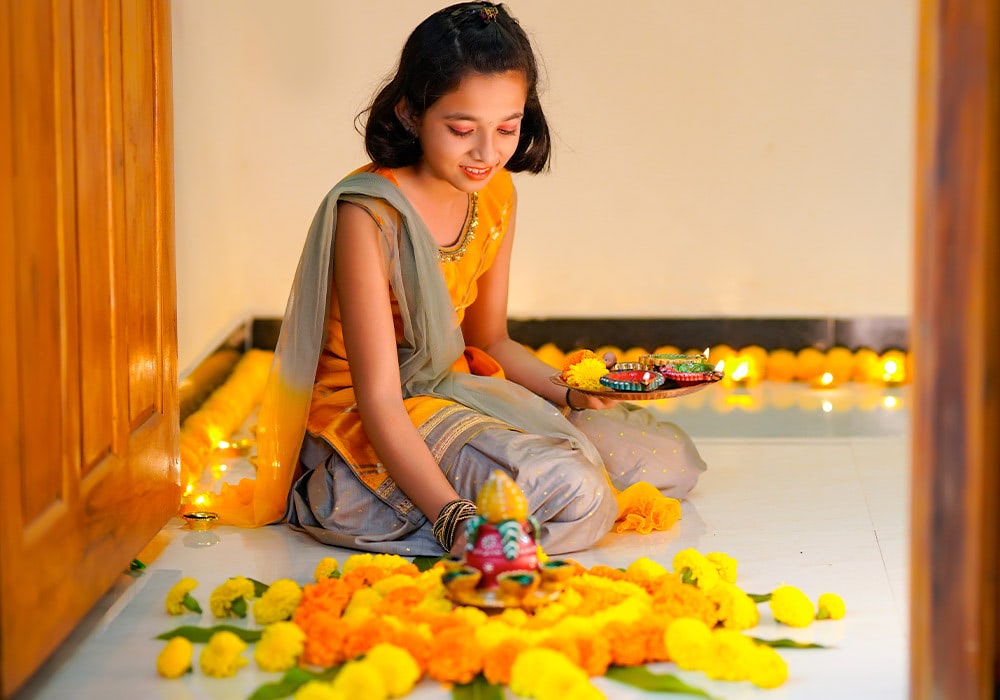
(333, 413)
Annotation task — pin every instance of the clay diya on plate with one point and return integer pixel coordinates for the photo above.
(501, 568)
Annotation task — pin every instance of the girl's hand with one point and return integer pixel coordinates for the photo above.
(578, 400)
(458, 546)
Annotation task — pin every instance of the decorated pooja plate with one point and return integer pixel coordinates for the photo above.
(670, 389)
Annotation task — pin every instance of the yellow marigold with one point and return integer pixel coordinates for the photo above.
(278, 602)
(577, 356)
(221, 656)
(326, 568)
(699, 569)
(581, 690)
(768, 669)
(359, 679)
(831, 606)
(587, 373)
(645, 568)
(689, 643)
(175, 658)
(397, 667)
(724, 564)
(179, 597)
(736, 610)
(792, 607)
(318, 690)
(386, 562)
(279, 647)
(732, 656)
(362, 602)
(544, 673)
(231, 597)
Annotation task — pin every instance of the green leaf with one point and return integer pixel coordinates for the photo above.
(425, 563)
(136, 565)
(688, 577)
(823, 614)
(478, 689)
(293, 679)
(642, 678)
(190, 603)
(759, 597)
(239, 607)
(259, 588)
(203, 634)
(788, 644)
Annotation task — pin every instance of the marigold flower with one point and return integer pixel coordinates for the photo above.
(698, 568)
(831, 606)
(179, 599)
(279, 647)
(230, 598)
(386, 562)
(326, 568)
(724, 564)
(364, 635)
(221, 656)
(586, 374)
(318, 690)
(641, 507)
(452, 658)
(792, 607)
(595, 654)
(689, 643)
(644, 568)
(359, 679)
(676, 599)
(768, 669)
(577, 356)
(278, 602)
(544, 673)
(736, 610)
(397, 667)
(175, 658)
(732, 656)
(499, 660)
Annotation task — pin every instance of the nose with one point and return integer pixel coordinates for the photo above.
(485, 148)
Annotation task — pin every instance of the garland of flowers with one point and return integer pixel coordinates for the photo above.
(378, 626)
(222, 413)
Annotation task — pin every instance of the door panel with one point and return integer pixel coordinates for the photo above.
(87, 310)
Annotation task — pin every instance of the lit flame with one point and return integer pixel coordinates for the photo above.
(890, 367)
(188, 489)
(720, 366)
(741, 372)
(706, 352)
(202, 499)
(826, 379)
(222, 444)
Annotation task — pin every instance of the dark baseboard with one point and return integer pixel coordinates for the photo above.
(877, 333)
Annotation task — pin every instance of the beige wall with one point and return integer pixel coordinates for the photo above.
(713, 158)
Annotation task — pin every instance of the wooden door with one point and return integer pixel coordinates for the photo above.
(88, 415)
(955, 561)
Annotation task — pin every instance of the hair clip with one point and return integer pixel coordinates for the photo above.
(489, 14)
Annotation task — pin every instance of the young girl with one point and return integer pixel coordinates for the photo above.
(396, 390)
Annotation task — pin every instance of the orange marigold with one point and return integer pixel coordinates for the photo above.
(364, 635)
(452, 658)
(627, 647)
(325, 638)
(499, 660)
(576, 356)
(566, 647)
(607, 572)
(399, 601)
(595, 654)
(676, 599)
(414, 642)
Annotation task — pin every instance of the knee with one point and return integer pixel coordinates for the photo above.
(575, 513)
(683, 480)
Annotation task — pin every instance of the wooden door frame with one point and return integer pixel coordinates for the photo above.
(954, 611)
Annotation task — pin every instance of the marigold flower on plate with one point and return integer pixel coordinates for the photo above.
(326, 568)
(230, 598)
(831, 606)
(689, 643)
(278, 602)
(279, 647)
(768, 669)
(221, 656)
(792, 607)
(578, 356)
(586, 374)
(397, 667)
(175, 658)
(359, 679)
(179, 599)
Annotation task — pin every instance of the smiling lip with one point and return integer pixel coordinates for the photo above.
(476, 173)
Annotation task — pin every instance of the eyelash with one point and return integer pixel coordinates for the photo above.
(504, 132)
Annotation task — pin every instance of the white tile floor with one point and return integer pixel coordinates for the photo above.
(804, 487)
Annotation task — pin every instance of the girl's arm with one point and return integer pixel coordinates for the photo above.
(485, 327)
(362, 292)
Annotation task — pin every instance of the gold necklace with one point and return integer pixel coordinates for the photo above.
(469, 235)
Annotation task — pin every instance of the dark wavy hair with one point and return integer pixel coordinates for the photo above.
(470, 37)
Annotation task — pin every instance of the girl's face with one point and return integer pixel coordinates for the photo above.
(471, 132)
